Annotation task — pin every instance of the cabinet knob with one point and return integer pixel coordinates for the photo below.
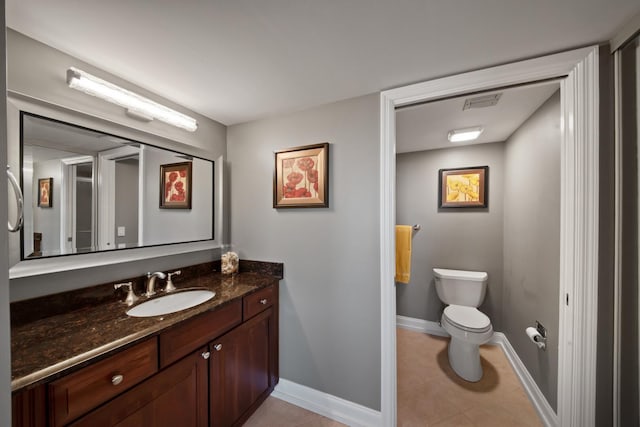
(117, 379)
(205, 355)
(263, 301)
(218, 347)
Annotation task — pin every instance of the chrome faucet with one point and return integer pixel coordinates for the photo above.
(151, 282)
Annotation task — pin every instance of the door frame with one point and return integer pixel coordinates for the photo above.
(68, 202)
(107, 193)
(579, 70)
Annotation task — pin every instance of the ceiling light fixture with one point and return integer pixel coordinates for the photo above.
(463, 135)
(136, 105)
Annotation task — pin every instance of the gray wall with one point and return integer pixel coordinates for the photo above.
(5, 343)
(39, 71)
(160, 224)
(330, 295)
(47, 220)
(532, 241)
(455, 239)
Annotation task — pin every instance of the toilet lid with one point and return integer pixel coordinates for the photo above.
(467, 317)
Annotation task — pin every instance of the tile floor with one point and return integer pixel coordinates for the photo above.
(430, 394)
(278, 413)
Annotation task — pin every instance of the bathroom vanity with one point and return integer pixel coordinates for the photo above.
(213, 364)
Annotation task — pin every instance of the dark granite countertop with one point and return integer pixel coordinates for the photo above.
(46, 348)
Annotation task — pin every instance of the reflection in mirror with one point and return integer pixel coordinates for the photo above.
(104, 192)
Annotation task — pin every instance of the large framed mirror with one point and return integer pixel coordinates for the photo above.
(88, 191)
(94, 189)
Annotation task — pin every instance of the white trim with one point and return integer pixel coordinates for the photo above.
(541, 405)
(327, 405)
(388, 384)
(77, 262)
(579, 216)
(419, 325)
(579, 248)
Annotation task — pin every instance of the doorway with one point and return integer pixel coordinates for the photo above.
(577, 303)
(78, 213)
(514, 238)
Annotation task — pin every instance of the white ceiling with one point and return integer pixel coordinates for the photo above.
(241, 60)
(51, 135)
(425, 126)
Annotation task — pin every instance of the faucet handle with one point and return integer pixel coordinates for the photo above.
(170, 286)
(131, 295)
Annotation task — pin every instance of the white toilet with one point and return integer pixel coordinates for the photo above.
(464, 291)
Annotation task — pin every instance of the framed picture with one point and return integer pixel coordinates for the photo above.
(175, 186)
(301, 177)
(463, 187)
(45, 192)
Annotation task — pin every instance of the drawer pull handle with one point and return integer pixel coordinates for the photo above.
(263, 301)
(117, 379)
(218, 347)
(205, 355)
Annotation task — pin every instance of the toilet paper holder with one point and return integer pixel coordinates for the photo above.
(538, 335)
(541, 330)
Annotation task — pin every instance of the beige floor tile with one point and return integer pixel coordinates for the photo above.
(459, 420)
(275, 413)
(431, 394)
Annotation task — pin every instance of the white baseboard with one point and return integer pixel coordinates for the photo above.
(539, 402)
(419, 325)
(330, 406)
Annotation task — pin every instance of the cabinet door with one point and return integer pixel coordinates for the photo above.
(176, 396)
(28, 408)
(240, 374)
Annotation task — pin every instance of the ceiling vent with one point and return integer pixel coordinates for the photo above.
(482, 101)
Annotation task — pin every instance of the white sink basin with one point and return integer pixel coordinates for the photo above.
(171, 303)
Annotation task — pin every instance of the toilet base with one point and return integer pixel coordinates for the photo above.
(464, 358)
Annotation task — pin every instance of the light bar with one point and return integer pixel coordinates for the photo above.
(463, 135)
(137, 106)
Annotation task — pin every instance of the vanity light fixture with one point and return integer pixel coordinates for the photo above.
(463, 135)
(136, 105)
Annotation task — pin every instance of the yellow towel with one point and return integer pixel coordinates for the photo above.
(403, 253)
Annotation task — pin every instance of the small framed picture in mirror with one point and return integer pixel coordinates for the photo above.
(175, 186)
(45, 192)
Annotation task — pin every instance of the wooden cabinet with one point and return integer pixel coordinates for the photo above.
(193, 333)
(243, 368)
(83, 390)
(29, 407)
(239, 370)
(176, 396)
(213, 369)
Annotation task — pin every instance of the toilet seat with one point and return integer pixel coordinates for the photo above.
(469, 319)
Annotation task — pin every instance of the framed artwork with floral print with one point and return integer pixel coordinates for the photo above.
(463, 187)
(301, 177)
(45, 192)
(175, 186)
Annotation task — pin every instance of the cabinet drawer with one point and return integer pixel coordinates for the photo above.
(258, 301)
(188, 336)
(76, 393)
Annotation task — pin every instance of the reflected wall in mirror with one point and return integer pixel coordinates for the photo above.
(106, 192)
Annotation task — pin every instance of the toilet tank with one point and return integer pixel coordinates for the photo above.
(460, 287)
